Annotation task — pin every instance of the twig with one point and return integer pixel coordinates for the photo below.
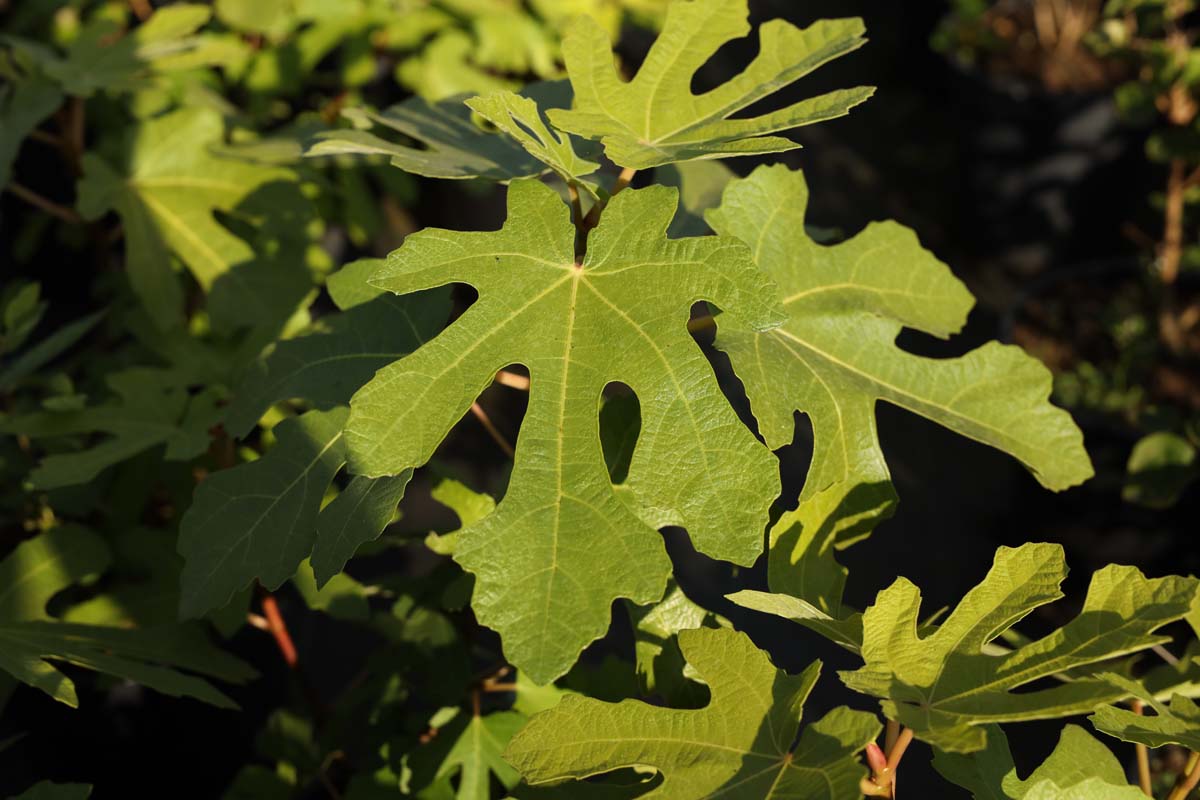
(141, 8)
(512, 380)
(49, 206)
(1166, 655)
(1143, 757)
(496, 435)
(1188, 780)
(701, 324)
(279, 630)
(39, 135)
(1172, 245)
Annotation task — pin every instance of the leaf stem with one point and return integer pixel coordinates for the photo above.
(496, 435)
(578, 221)
(49, 206)
(893, 729)
(623, 180)
(1188, 780)
(883, 782)
(1143, 757)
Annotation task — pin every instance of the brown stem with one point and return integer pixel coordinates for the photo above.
(1171, 253)
(496, 435)
(49, 206)
(1143, 757)
(283, 639)
(141, 8)
(1188, 780)
(39, 135)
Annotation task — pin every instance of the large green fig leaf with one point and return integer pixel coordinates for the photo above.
(739, 746)
(837, 357)
(1175, 723)
(562, 545)
(31, 641)
(166, 192)
(945, 687)
(1080, 768)
(656, 119)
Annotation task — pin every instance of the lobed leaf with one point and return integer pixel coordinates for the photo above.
(1177, 722)
(655, 118)
(452, 145)
(836, 357)
(945, 687)
(739, 746)
(166, 192)
(563, 543)
(31, 641)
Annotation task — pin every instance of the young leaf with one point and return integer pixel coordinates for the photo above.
(1080, 768)
(562, 545)
(740, 745)
(166, 192)
(944, 687)
(837, 357)
(656, 119)
(1175, 723)
(522, 119)
(340, 352)
(261, 519)
(453, 145)
(41, 567)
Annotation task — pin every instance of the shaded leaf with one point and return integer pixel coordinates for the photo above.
(166, 194)
(1175, 723)
(452, 144)
(153, 408)
(260, 520)
(340, 352)
(562, 545)
(1080, 768)
(470, 748)
(1161, 467)
(30, 640)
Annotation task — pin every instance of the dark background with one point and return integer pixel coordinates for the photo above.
(1010, 185)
